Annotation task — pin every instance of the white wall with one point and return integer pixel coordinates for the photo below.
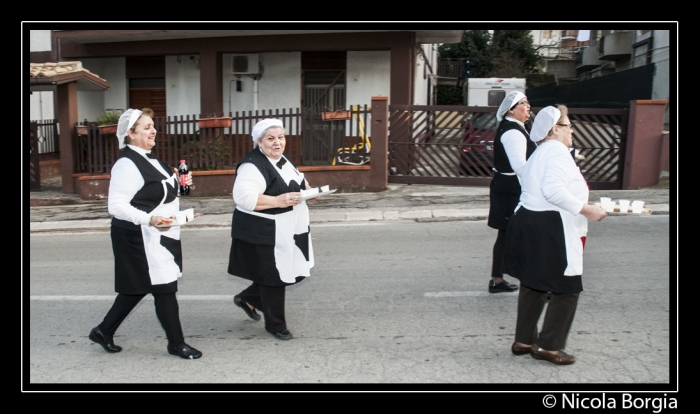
(92, 104)
(41, 104)
(39, 40)
(422, 76)
(182, 88)
(368, 75)
(280, 85)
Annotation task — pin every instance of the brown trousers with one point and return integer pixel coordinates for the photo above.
(557, 319)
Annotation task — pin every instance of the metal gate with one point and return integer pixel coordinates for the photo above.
(452, 145)
(323, 91)
(34, 169)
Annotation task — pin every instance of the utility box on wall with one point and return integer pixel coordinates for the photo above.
(244, 64)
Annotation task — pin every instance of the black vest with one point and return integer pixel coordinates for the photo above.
(256, 229)
(500, 158)
(151, 194)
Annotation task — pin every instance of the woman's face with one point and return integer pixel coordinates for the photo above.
(273, 142)
(521, 111)
(565, 132)
(144, 133)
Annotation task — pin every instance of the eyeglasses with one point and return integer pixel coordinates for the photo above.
(522, 103)
(571, 126)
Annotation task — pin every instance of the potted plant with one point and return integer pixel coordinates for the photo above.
(108, 122)
(213, 121)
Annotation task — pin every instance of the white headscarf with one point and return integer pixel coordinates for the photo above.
(261, 126)
(126, 121)
(544, 121)
(508, 102)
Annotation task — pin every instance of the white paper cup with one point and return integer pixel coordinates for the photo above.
(637, 206)
(189, 213)
(624, 206)
(604, 201)
(325, 188)
(610, 206)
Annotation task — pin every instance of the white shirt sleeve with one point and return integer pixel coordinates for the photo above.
(515, 144)
(556, 182)
(125, 181)
(249, 184)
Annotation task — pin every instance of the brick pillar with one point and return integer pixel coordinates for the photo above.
(67, 104)
(379, 169)
(644, 144)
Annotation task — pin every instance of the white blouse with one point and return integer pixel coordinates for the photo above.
(250, 182)
(125, 181)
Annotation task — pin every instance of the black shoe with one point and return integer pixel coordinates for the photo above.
(284, 335)
(502, 287)
(184, 351)
(108, 344)
(252, 314)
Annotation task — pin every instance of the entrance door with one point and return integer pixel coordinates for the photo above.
(148, 93)
(324, 91)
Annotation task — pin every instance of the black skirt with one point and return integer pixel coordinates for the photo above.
(131, 274)
(536, 252)
(255, 262)
(504, 196)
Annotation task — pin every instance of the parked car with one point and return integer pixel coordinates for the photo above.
(476, 149)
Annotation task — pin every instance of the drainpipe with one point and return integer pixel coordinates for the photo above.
(255, 94)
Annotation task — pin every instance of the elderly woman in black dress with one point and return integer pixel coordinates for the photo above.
(147, 259)
(546, 237)
(511, 148)
(271, 240)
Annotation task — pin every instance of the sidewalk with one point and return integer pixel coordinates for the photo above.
(51, 211)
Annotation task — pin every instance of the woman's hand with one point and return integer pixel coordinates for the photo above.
(593, 212)
(188, 178)
(288, 199)
(161, 220)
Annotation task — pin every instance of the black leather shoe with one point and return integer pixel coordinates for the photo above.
(184, 351)
(108, 344)
(502, 287)
(520, 349)
(252, 314)
(559, 358)
(284, 335)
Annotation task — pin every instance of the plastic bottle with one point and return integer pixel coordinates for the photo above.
(182, 171)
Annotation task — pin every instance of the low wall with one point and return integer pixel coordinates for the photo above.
(49, 169)
(345, 178)
(664, 162)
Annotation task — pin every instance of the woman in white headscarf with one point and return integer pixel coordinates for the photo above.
(147, 259)
(271, 240)
(546, 237)
(511, 148)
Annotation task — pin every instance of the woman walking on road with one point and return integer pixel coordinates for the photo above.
(511, 148)
(546, 237)
(147, 257)
(271, 240)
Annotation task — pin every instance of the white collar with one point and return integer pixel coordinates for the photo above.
(514, 120)
(138, 149)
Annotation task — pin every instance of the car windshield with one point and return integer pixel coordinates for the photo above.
(483, 121)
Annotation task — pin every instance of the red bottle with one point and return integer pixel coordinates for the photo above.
(182, 171)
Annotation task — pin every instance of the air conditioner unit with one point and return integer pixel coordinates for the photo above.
(244, 64)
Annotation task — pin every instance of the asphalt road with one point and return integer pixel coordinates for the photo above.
(391, 305)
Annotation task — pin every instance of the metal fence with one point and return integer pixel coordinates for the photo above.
(222, 147)
(440, 145)
(47, 139)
